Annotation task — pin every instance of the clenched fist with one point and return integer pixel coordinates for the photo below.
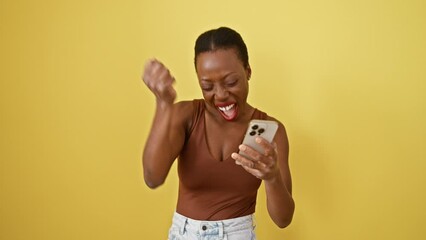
(159, 80)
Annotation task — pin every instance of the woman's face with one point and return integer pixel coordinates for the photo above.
(224, 83)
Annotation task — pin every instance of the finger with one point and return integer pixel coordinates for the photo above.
(151, 67)
(267, 146)
(250, 152)
(148, 63)
(155, 68)
(243, 161)
(257, 157)
(165, 80)
(165, 76)
(157, 77)
(257, 169)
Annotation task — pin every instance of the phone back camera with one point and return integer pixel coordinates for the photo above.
(261, 130)
(254, 127)
(252, 133)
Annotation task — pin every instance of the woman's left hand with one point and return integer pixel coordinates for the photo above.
(261, 165)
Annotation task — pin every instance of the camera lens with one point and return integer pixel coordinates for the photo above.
(262, 130)
(252, 133)
(254, 127)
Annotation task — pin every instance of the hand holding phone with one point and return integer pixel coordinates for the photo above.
(259, 128)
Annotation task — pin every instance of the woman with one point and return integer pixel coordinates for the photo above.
(218, 186)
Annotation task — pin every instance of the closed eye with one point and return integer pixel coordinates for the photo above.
(231, 83)
(207, 87)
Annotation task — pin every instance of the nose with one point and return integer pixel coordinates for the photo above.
(221, 93)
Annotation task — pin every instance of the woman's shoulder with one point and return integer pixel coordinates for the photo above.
(189, 111)
(265, 116)
(189, 106)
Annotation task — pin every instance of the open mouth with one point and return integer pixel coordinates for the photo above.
(229, 111)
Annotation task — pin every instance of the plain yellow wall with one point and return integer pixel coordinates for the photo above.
(346, 77)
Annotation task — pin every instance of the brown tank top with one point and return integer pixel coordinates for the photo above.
(211, 189)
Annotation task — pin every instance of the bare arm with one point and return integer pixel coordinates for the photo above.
(280, 202)
(272, 167)
(167, 134)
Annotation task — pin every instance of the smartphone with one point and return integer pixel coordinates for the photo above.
(256, 128)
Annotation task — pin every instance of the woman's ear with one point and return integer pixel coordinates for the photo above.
(248, 72)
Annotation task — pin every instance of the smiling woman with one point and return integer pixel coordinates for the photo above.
(218, 186)
(224, 83)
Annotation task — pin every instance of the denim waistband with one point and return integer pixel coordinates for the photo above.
(213, 227)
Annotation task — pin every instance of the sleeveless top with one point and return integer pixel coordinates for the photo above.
(210, 189)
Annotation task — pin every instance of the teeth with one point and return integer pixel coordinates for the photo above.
(227, 108)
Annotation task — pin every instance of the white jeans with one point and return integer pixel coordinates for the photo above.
(184, 228)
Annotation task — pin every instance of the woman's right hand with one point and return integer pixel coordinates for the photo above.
(159, 80)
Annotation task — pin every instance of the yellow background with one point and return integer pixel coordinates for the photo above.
(346, 77)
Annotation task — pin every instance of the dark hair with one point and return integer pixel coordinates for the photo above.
(221, 38)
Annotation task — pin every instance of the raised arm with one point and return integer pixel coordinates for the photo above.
(167, 134)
